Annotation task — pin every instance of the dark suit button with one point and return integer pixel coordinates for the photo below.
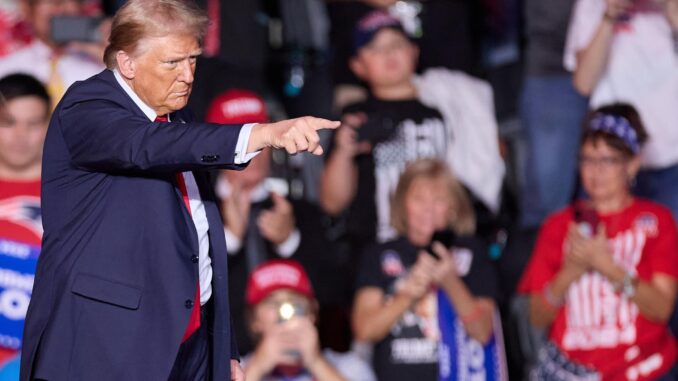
(210, 158)
(189, 304)
(194, 258)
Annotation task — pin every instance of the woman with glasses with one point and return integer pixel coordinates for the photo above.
(603, 274)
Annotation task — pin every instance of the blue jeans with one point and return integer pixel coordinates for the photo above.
(552, 112)
(660, 185)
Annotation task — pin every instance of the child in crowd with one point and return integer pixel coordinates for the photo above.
(442, 114)
(282, 313)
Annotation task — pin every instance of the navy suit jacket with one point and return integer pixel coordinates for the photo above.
(117, 268)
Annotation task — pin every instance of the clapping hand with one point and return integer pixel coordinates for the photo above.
(420, 278)
(446, 266)
(588, 253)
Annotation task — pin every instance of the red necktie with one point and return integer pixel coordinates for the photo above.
(194, 322)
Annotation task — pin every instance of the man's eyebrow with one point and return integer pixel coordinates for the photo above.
(180, 57)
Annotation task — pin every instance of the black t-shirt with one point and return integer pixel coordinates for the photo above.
(409, 131)
(410, 351)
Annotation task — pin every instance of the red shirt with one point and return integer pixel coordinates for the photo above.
(20, 218)
(599, 327)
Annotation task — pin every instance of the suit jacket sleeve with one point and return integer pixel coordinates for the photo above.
(103, 135)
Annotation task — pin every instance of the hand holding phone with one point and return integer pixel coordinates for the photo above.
(587, 219)
(445, 237)
(65, 29)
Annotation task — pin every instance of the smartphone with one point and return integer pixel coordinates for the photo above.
(587, 219)
(65, 29)
(378, 128)
(446, 237)
(288, 310)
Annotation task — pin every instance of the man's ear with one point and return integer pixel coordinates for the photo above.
(126, 64)
(358, 67)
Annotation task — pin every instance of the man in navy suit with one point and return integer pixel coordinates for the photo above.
(132, 280)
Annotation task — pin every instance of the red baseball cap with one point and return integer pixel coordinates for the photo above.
(237, 107)
(277, 274)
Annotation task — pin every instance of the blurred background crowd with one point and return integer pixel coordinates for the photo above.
(534, 141)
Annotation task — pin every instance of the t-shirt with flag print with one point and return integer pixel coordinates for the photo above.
(598, 326)
(410, 351)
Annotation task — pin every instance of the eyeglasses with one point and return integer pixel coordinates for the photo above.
(601, 162)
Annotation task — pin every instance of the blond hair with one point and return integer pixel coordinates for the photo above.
(461, 217)
(140, 19)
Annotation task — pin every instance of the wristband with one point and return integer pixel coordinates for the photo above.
(473, 315)
(628, 285)
(550, 299)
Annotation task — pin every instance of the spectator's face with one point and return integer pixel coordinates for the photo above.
(605, 172)
(427, 207)
(389, 59)
(161, 72)
(23, 124)
(40, 12)
(255, 174)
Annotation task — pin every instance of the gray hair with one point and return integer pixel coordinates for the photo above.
(140, 19)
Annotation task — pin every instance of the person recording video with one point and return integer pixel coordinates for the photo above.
(55, 63)
(282, 313)
(404, 287)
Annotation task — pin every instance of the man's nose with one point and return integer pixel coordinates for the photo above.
(187, 71)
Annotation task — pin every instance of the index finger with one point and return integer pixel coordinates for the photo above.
(320, 123)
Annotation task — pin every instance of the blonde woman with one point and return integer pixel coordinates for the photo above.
(396, 305)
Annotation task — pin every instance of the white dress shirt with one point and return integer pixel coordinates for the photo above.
(197, 206)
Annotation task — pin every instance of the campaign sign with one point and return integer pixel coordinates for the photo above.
(17, 271)
(463, 358)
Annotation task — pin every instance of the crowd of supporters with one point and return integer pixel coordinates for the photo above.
(499, 202)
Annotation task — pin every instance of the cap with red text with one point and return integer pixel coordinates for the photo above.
(277, 274)
(237, 107)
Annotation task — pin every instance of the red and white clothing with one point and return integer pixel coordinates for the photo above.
(598, 326)
(642, 70)
(20, 221)
(20, 218)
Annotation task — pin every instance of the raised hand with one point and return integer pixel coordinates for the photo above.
(617, 8)
(671, 12)
(346, 138)
(292, 135)
(277, 223)
(236, 211)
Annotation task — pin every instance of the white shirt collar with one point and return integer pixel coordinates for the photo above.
(150, 114)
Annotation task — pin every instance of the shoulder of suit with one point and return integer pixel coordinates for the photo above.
(102, 86)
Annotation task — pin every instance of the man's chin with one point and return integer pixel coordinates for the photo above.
(179, 103)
